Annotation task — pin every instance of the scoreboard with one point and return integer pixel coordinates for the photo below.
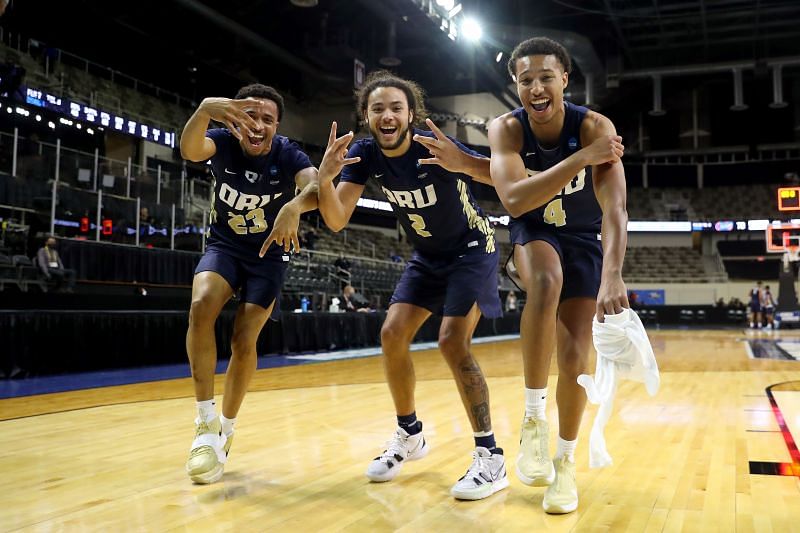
(789, 199)
(99, 117)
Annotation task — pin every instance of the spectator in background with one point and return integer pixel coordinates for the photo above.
(49, 262)
(720, 303)
(352, 301)
(511, 302)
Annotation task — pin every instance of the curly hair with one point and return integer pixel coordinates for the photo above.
(257, 90)
(383, 78)
(539, 46)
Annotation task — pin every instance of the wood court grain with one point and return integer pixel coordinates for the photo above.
(111, 459)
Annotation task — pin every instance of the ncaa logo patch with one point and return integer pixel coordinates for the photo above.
(572, 143)
(273, 170)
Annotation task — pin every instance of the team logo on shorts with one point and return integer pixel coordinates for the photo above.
(572, 143)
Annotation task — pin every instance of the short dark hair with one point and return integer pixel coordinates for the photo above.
(383, 78)
(257, 90)
(539, 46)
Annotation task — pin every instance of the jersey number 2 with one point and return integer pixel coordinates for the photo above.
(554, 213)
(238, 223)
(418, 223)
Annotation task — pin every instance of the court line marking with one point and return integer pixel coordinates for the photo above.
(373, 351)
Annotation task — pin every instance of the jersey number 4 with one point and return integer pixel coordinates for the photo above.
(238, 223)
(554, 213)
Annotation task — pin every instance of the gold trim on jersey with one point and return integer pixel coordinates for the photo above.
(473, 218)
(212, 214)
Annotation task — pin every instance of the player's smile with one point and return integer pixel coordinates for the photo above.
(540, 105)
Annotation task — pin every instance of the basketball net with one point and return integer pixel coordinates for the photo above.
(791, 255)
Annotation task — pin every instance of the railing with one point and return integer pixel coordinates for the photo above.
(45, 77)
(100, 198)
(165, 183)
(24, 44)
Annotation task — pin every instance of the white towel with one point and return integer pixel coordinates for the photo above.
(623, 352)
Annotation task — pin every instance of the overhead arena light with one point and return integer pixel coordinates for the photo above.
(499, 57)
(471, 30)
(447, 5)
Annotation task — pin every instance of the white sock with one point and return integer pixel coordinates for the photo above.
(207, 410)
(535, 403)
(566, 447)
(227, 425)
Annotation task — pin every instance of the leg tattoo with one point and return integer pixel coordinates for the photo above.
(476, 393)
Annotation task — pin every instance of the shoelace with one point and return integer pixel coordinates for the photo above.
(479, 464)
(396, 446)
(202, 427)
(540, 453)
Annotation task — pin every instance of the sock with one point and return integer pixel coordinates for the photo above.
(566, 447)
(485, 439)
(207, 410)
(227, 425)
(535, 403)
(409, 423)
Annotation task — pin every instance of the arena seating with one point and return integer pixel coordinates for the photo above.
(668, 264)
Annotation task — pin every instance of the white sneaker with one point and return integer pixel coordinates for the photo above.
(208, 453)
(403, 447)
(562, 496)
(534, 466)
(485, 476)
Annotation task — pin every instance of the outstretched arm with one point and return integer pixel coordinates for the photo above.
(449, 156)
(287, 221)
(337, 204)
(195, 146)
(609, 187)
(521, 191)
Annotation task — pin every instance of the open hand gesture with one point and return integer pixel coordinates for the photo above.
(444, 151)
(335, 158)
(232, 113)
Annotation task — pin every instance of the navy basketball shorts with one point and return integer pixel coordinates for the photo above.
(755, 307)
(258, 281)
(451, 286)
(581, 257)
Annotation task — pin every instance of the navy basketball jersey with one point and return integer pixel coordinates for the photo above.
(575, 208)
(249, 192)
(755, 296)
(434, 206)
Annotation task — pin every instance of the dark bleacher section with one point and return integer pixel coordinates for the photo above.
(749, 260)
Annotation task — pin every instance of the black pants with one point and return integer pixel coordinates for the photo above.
(63, 276)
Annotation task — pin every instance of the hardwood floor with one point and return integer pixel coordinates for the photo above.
(112, 459)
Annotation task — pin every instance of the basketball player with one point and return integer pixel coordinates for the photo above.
(768, 306)
(755, 306)
(569, 276)
(255, 173)
(452, 272)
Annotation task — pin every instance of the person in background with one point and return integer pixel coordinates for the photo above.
(755, 306)
(768, 307)
(352, 301)
(511, 302)
(49, 262)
